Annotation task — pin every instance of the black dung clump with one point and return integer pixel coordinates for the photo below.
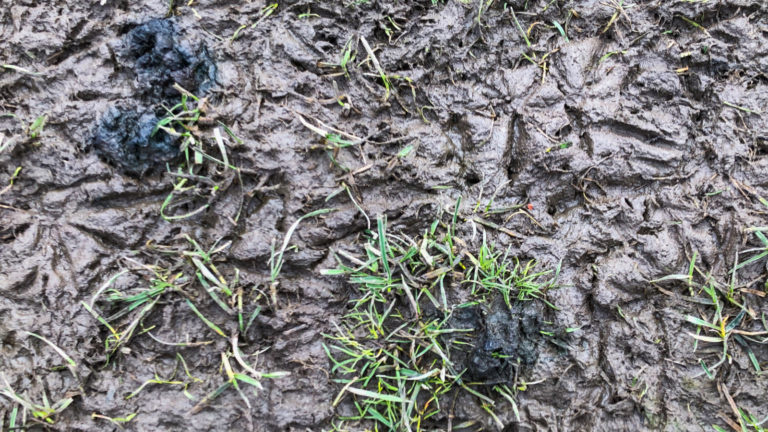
(153, 57)
(507, 338)
(160, 61)
(131, 139)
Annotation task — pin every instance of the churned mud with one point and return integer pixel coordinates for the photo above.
(631, 142)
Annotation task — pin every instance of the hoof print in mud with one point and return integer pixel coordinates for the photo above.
(130, 138)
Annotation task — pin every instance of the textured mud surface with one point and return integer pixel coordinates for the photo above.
(621, 140)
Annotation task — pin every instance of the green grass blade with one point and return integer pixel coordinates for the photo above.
(376, 396)
(701, 322)
(213, 326)
(382, 228)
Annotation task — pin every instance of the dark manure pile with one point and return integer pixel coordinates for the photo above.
(507, 338)
(160, 67)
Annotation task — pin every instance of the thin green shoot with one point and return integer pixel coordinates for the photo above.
(609, 54)
(519, 27)
(20, 70)
(36, 128)
(265, 13)
(377, 66)
(308, 14)
(207, 322)
(13, 178)
(741, 108)
(155, 380)
(346, 57)
(561, 30)
(117, 421)
(71, 364)
(276, 260)
(693, 23)
(405, 151)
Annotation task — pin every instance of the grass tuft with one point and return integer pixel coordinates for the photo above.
(202, 177)
(394, 352)
(723, 314)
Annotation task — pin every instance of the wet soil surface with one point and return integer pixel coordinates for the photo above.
(623, 140)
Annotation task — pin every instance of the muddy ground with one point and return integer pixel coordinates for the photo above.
(630, 162)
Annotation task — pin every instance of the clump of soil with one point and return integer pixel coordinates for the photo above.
(129, 137)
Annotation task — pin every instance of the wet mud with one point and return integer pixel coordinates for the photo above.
(635, 143)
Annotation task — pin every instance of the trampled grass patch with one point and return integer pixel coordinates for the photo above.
(429, 318)
(724, 314)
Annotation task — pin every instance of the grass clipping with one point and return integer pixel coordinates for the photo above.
(395, 352)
